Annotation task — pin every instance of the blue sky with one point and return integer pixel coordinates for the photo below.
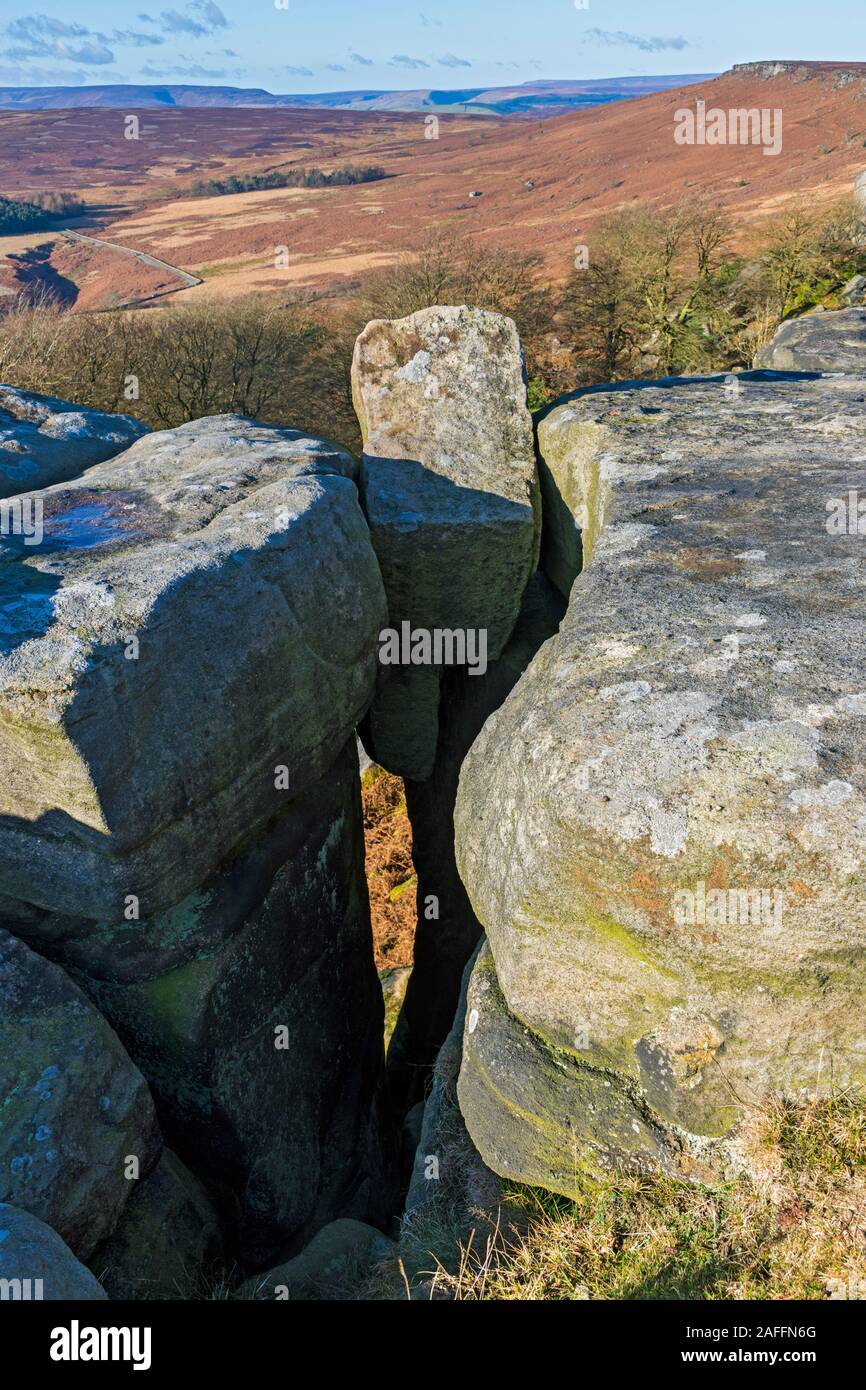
(329, 45)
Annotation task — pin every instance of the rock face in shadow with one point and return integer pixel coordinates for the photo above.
(662, 830)
(822, 341)
(74, 1108)
(183, 663)
(449, 487)
(167, 1240)
(264, 1048)
(335, 1260)
(202, 612)
(45, 441)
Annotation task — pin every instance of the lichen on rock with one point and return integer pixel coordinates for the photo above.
(663, 828)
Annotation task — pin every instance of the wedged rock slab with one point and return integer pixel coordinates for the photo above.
(73, 1107)
(450, 490)
(188, 648)
(264, 1048)
(45, 441)
(663, 829)
(167, 1240)
(821, 341)
(35, 1264)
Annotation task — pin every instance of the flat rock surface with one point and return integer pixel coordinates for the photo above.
(73, 1108)
(189, 646)
(449, 486)
(45, 441)
(822, 341)
(663, 828)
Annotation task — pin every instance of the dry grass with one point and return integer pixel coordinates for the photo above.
(790, 1226)
(391, 876)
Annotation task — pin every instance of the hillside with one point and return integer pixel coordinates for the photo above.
(526, 98)
(580, 166)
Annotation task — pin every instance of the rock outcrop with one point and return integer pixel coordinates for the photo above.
(35, 1264)
(202, 612)
(75, 1114)
(657, 759)
(45, 441)
(663, 828)
(821, 341)
(450, 491)
(184, 661)
(264, 1048)
(449, 487)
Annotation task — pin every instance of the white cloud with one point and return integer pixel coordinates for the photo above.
(402, 60)
(41, 36)
(197, 18)
(647, 43)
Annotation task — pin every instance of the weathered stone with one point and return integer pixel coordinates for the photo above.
(448, 930)
(854, 292)
(822, 341)
(264, 1046)
(45, 441)
(334, 1260)
(449, 486)
(73, 1108)
(167, 1241)
(193, 642)
(566, 468)
(539, 1115)
(663, 828)
(35, 1264)
(393, 984)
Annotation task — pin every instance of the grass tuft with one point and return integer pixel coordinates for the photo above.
(790, 1225)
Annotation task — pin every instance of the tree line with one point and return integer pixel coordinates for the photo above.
(39, 211)
(659, 293)
(289, 178)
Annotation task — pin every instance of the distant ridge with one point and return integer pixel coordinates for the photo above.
(529, 99)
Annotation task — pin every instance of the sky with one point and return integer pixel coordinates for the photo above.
(335, 45)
